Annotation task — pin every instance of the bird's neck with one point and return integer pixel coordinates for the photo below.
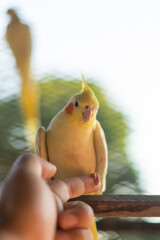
(15, 19)
(77, 123)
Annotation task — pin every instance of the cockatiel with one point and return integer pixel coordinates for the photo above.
(75, 141)
(19, 38)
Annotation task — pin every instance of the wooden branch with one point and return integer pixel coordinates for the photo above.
(123, 205)
(118, 225)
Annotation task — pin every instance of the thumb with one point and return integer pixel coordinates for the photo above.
(32, 163)
(48, 169)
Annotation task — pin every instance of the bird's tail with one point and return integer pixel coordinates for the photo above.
(94, 230)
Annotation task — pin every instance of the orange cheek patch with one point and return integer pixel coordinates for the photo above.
(69, 108)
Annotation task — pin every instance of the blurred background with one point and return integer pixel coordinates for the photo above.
(45, 46)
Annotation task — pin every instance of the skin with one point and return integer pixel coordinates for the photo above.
(31, 208)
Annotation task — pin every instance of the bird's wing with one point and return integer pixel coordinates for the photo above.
(40, 144)
(101, 154)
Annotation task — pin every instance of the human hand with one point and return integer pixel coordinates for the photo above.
(30, 208)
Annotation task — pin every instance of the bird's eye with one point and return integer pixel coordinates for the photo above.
(87, 106)
(76, 104)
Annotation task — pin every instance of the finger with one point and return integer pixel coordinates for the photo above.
(74, 187)
(74, 234)
(32, 163)
(76, 215)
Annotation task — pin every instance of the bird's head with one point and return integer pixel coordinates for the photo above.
(82, 108)
(13, 14)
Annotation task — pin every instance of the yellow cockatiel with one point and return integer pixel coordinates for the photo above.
(75, 141)
(19, 38)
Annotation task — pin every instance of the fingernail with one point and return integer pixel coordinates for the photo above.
(51, 165)
(96, 178)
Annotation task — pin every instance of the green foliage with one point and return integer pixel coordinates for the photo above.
(55, 93)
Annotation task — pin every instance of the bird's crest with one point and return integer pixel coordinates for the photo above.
(84, 84)
(85, 89)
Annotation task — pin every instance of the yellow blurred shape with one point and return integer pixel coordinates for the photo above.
(19, 39)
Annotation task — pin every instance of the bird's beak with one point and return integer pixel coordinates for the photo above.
(87, 114)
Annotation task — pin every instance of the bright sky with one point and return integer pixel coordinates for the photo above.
(115, 42)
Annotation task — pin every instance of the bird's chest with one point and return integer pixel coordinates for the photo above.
(72, 151)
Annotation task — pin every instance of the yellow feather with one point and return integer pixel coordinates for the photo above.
(84, 84)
